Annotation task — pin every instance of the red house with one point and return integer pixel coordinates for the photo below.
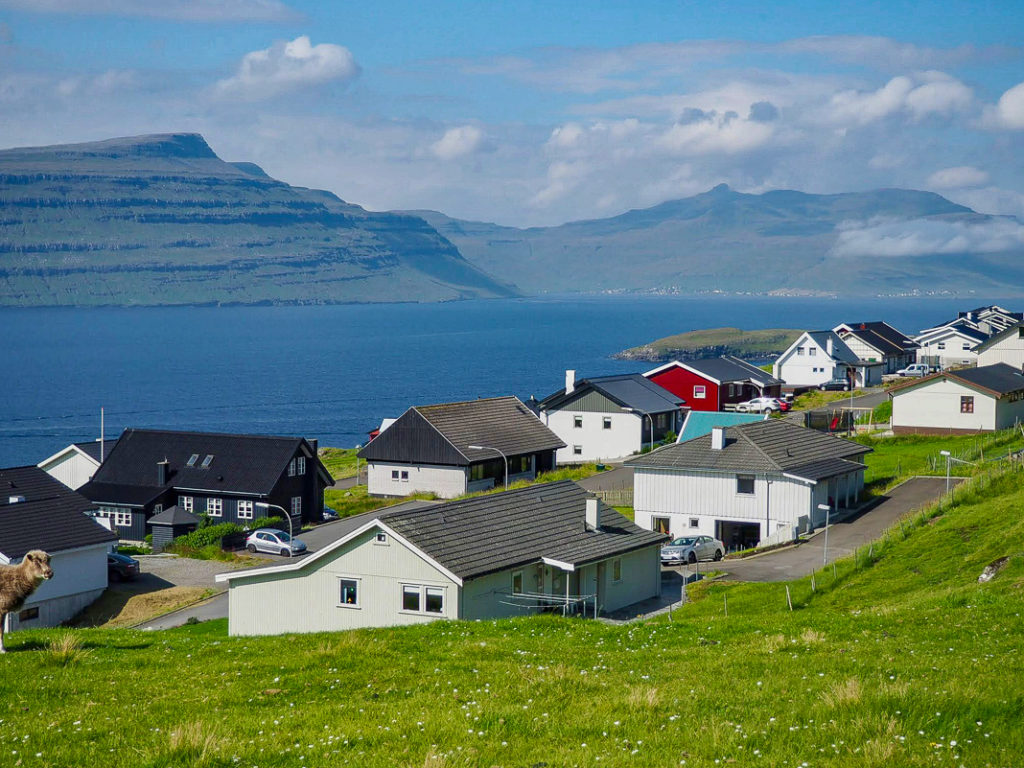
(709, 384)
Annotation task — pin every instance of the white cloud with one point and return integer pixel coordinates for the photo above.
(957, 178)
(993, 200)
(712, 132)
(923, 237)
(176, 10)
(288, 66)
(1009, 111)
(918, 96)
(113, 81)
(458, 142)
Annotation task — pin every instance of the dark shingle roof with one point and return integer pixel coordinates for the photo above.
(765, 446)
(499, 531)
(51, 518)
(998, 379)
(629, 390)
(174, 515)
(728, 368)
(442, 433)
(92, 448)
(882, 337)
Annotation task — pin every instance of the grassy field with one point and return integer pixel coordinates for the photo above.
(340, 462)
(713, 342)
(900, 659)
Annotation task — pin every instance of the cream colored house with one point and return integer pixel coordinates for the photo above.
(1005, 347)
(75, 465)
(982, 399)
(542, 548)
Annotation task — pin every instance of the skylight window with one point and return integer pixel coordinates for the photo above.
(192, 460)
(207, 460)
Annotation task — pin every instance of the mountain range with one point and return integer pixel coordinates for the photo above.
(161, 219)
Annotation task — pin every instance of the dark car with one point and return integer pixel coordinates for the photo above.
(121, 567)
(836, 385)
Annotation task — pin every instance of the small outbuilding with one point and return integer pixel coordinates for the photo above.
(170, 524)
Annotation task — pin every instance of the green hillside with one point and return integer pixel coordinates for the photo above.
(713, 342)
(901, 658)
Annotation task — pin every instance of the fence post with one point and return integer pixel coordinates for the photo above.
(789, 599)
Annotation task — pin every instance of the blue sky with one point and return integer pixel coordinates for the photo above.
(533, 113)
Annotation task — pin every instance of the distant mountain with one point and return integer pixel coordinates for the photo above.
(162, 220)
(886, 242)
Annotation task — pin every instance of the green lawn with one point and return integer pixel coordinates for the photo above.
(340, 462)
(901, 659)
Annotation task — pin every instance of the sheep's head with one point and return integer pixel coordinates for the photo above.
(38, 564)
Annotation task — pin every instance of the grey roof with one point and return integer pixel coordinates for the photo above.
(824, 468)
(840, 352)
(442, 433)
(92, 448)
(728, 368)
(999, 379)
(174, 515)
(499, 531)
(629, 390)
(766, 446)
(957, 326)
(51, 518)
(996, 338)
(882, 337)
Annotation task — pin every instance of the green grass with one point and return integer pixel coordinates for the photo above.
(712, 342)
(902, 659)
(340, 462)
(816, 398)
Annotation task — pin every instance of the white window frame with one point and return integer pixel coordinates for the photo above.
(359, 592)
(606, 422)
(245, 509)
(812, 351)
(577, 450)
(394, 475)
(422, 591)
(577, 421)
(215, 507)
(617, 570)
(186, 503)
(522, 582)
(695, 522)
(753, 487)
(700, 391)
(405, 475)
(381, 539)
(300, 465)
(158, 508)
(291, 468)
(667, 520)
(296, 506)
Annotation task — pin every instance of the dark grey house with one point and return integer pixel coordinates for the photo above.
(453, 448)
(220, 475)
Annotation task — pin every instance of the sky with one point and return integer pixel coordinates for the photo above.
(536, 113)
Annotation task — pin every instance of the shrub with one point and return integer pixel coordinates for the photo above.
(148, 538)
(203, 537)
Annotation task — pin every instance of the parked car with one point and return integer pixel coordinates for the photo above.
(915, 369)
(121, 567)
(329, 514)
(836, 385)
(690, 549)
(762, 405)
(274, 541)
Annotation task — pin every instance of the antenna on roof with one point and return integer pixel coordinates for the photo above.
(101, 434)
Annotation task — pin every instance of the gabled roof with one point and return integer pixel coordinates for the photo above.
(699, 423)
(721, 370)
(502, 531)
(89, 451)
(245, 464)
(997, 380)
(840, 352)
(766, 446)
(442, 433)
(51, 518)
(174, 515)
(957, 327)
(879, 335)
(627, 390)
(996, 338)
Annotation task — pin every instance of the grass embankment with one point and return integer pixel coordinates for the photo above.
(340, 462)
(712, 342)
(901, 659)
(816, 398)
(116, 608)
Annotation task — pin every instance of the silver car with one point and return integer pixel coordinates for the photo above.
(274, 541)
(690, 549)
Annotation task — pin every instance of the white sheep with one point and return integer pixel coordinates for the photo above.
(19, 581)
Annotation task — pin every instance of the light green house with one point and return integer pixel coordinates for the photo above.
(547, 547)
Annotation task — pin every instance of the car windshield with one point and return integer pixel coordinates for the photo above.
(282, 536)
(683, 541)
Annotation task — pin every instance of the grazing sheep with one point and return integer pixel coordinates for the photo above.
(19, 581)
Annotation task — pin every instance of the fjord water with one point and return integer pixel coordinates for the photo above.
(332, 372)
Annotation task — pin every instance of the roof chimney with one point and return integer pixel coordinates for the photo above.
(570, 382)
(592, 515)
(829, 346)
(163, 470)
(717, 438)
(863, 326)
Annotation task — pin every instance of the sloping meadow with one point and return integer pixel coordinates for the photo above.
(896, 657)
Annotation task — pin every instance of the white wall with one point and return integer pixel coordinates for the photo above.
(641, 579)
(71, 468)
(79, 577)
(936, 405)
(1009, 350)
(808, 369)
(446, 482)
(598, 443)
(952, 353)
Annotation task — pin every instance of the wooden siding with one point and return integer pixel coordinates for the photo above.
(936, 404)
(412, 439)
(1009, 350)
(71, 468)
(681, 383)
(446, 482)
(598, 443)
(79, 577)
(589, 400)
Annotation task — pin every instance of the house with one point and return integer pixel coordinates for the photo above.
(747, 484)
(1007, 347)
(820, 356)
(608, 417)
(220, 475)
(454, 448)
(992, 319)
(543, 547)
(950, 346)
(877, 341)
(710, 384)
(75, 465)
(981, 399)
(699, 423)
(39, 512)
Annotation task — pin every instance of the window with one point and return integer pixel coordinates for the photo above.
(966, 347)
(300, 465)
(185, 502)
(660, 524)
(744, 483)
(435, 600)
(349, 592)
(577, 450)
(699, 391)
(215, 507)
(192, 460)
(158, 508)
(517, 583)
(121, 517)
(245, 510)
(577, 422)
(381, 538)
(422, 599)
(410, 598)
(617, 569)
(296, 506)
(207, 461)
(695, 522)
(606, 422)
(800, 351)
(28, 614)
(941, 345)
(732, 390)
(394, 474)
(967, 404)
(291, 468)
(812, 351)
(405, 476)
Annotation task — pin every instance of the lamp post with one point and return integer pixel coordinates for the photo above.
(951, 458)
(504, 458)
(827, 509)
(268, 505)
(359, 447)
(651, 418)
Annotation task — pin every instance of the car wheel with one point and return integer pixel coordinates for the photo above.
(767, 410)
(251, 548)
(114, 576)
(718, 555)
(285, 552)
(692, 558)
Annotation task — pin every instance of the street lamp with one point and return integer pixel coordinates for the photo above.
(651, 418)
(267, 505)
(359, 447)
(951, 458)
(504, 458)
(827, 509)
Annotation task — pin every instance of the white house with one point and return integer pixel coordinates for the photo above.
(753, 483)
(820, 356)
(39, 512)
(75, 465)
(1005, 347)
(981, 399)
(541, 548)
(877, 341)
(454, 448)
(950, 346)
(608, 417)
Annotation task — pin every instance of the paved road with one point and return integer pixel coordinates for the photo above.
(843, 538)
(618, 479)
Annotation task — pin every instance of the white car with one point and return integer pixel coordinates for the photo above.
(690, 549)
(275, 542)
(760, 405)
(915, 369)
